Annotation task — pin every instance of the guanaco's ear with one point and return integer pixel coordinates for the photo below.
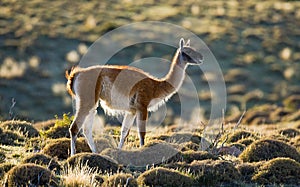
(188, 43)
(181, 43)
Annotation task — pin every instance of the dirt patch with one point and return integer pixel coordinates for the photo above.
(154, 154)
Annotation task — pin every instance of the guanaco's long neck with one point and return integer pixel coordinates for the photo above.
(174, 79)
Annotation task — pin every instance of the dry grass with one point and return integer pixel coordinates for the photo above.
(82, 175)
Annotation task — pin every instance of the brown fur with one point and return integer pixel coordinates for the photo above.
(70, 77)
(124, 90)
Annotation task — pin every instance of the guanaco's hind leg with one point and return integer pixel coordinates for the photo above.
(82, 113)
(88, 129)
(126, 125)
(141, 125)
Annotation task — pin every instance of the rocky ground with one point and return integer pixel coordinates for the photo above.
(255, 43)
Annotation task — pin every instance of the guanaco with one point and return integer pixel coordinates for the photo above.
(124, 90)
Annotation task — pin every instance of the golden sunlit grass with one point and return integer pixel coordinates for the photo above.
(79, 176)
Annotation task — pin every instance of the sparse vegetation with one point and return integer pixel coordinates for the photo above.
(239, 135)
(60, 148)
(190, 156)
(211, 173)
(290, 132)
(60, 128)
(80, 175)
(164, 177)
(24, 127)
(4, 168)
(8, 137)
(99, 163)
(267, 149)
(120, 179)
(248, 170)
(30, 174)
(279, 171)
(43, 160)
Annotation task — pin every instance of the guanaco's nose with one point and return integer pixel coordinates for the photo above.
(201, 60)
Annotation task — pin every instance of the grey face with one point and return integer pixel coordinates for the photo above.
(188, 54)
(191, 56)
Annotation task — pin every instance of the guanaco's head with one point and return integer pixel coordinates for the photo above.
(188, 55)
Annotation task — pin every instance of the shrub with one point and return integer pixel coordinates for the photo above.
(186, 146)
(4, 168)
(239, 146)
(248, 170)
(10, 138)
(120, 179)
(97, 162)
(30, 175)
(2, 157)
(290, 132)
(296, 142)
(246, 141)
(292, 102)
(267, 149)
(79, 176)
(23, 126)
(239, 135)
(190, 156)
(211, 173)
(45, 125)
(43, 160)
(60, 128)
(258, 115)
(60, 148)
(164, 177)
(35, 144)
(279, 171)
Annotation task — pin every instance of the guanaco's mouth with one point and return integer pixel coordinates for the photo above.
(200, 60)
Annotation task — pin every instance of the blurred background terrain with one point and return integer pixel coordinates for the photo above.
(257, 45)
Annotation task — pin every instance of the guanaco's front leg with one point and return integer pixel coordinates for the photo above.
(126, 125)
(141, 125)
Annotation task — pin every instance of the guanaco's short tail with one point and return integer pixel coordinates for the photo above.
(70, 77)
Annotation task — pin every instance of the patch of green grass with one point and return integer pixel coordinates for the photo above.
(60, 129)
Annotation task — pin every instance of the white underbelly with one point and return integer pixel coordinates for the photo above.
(113, 109)
(158, 102)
